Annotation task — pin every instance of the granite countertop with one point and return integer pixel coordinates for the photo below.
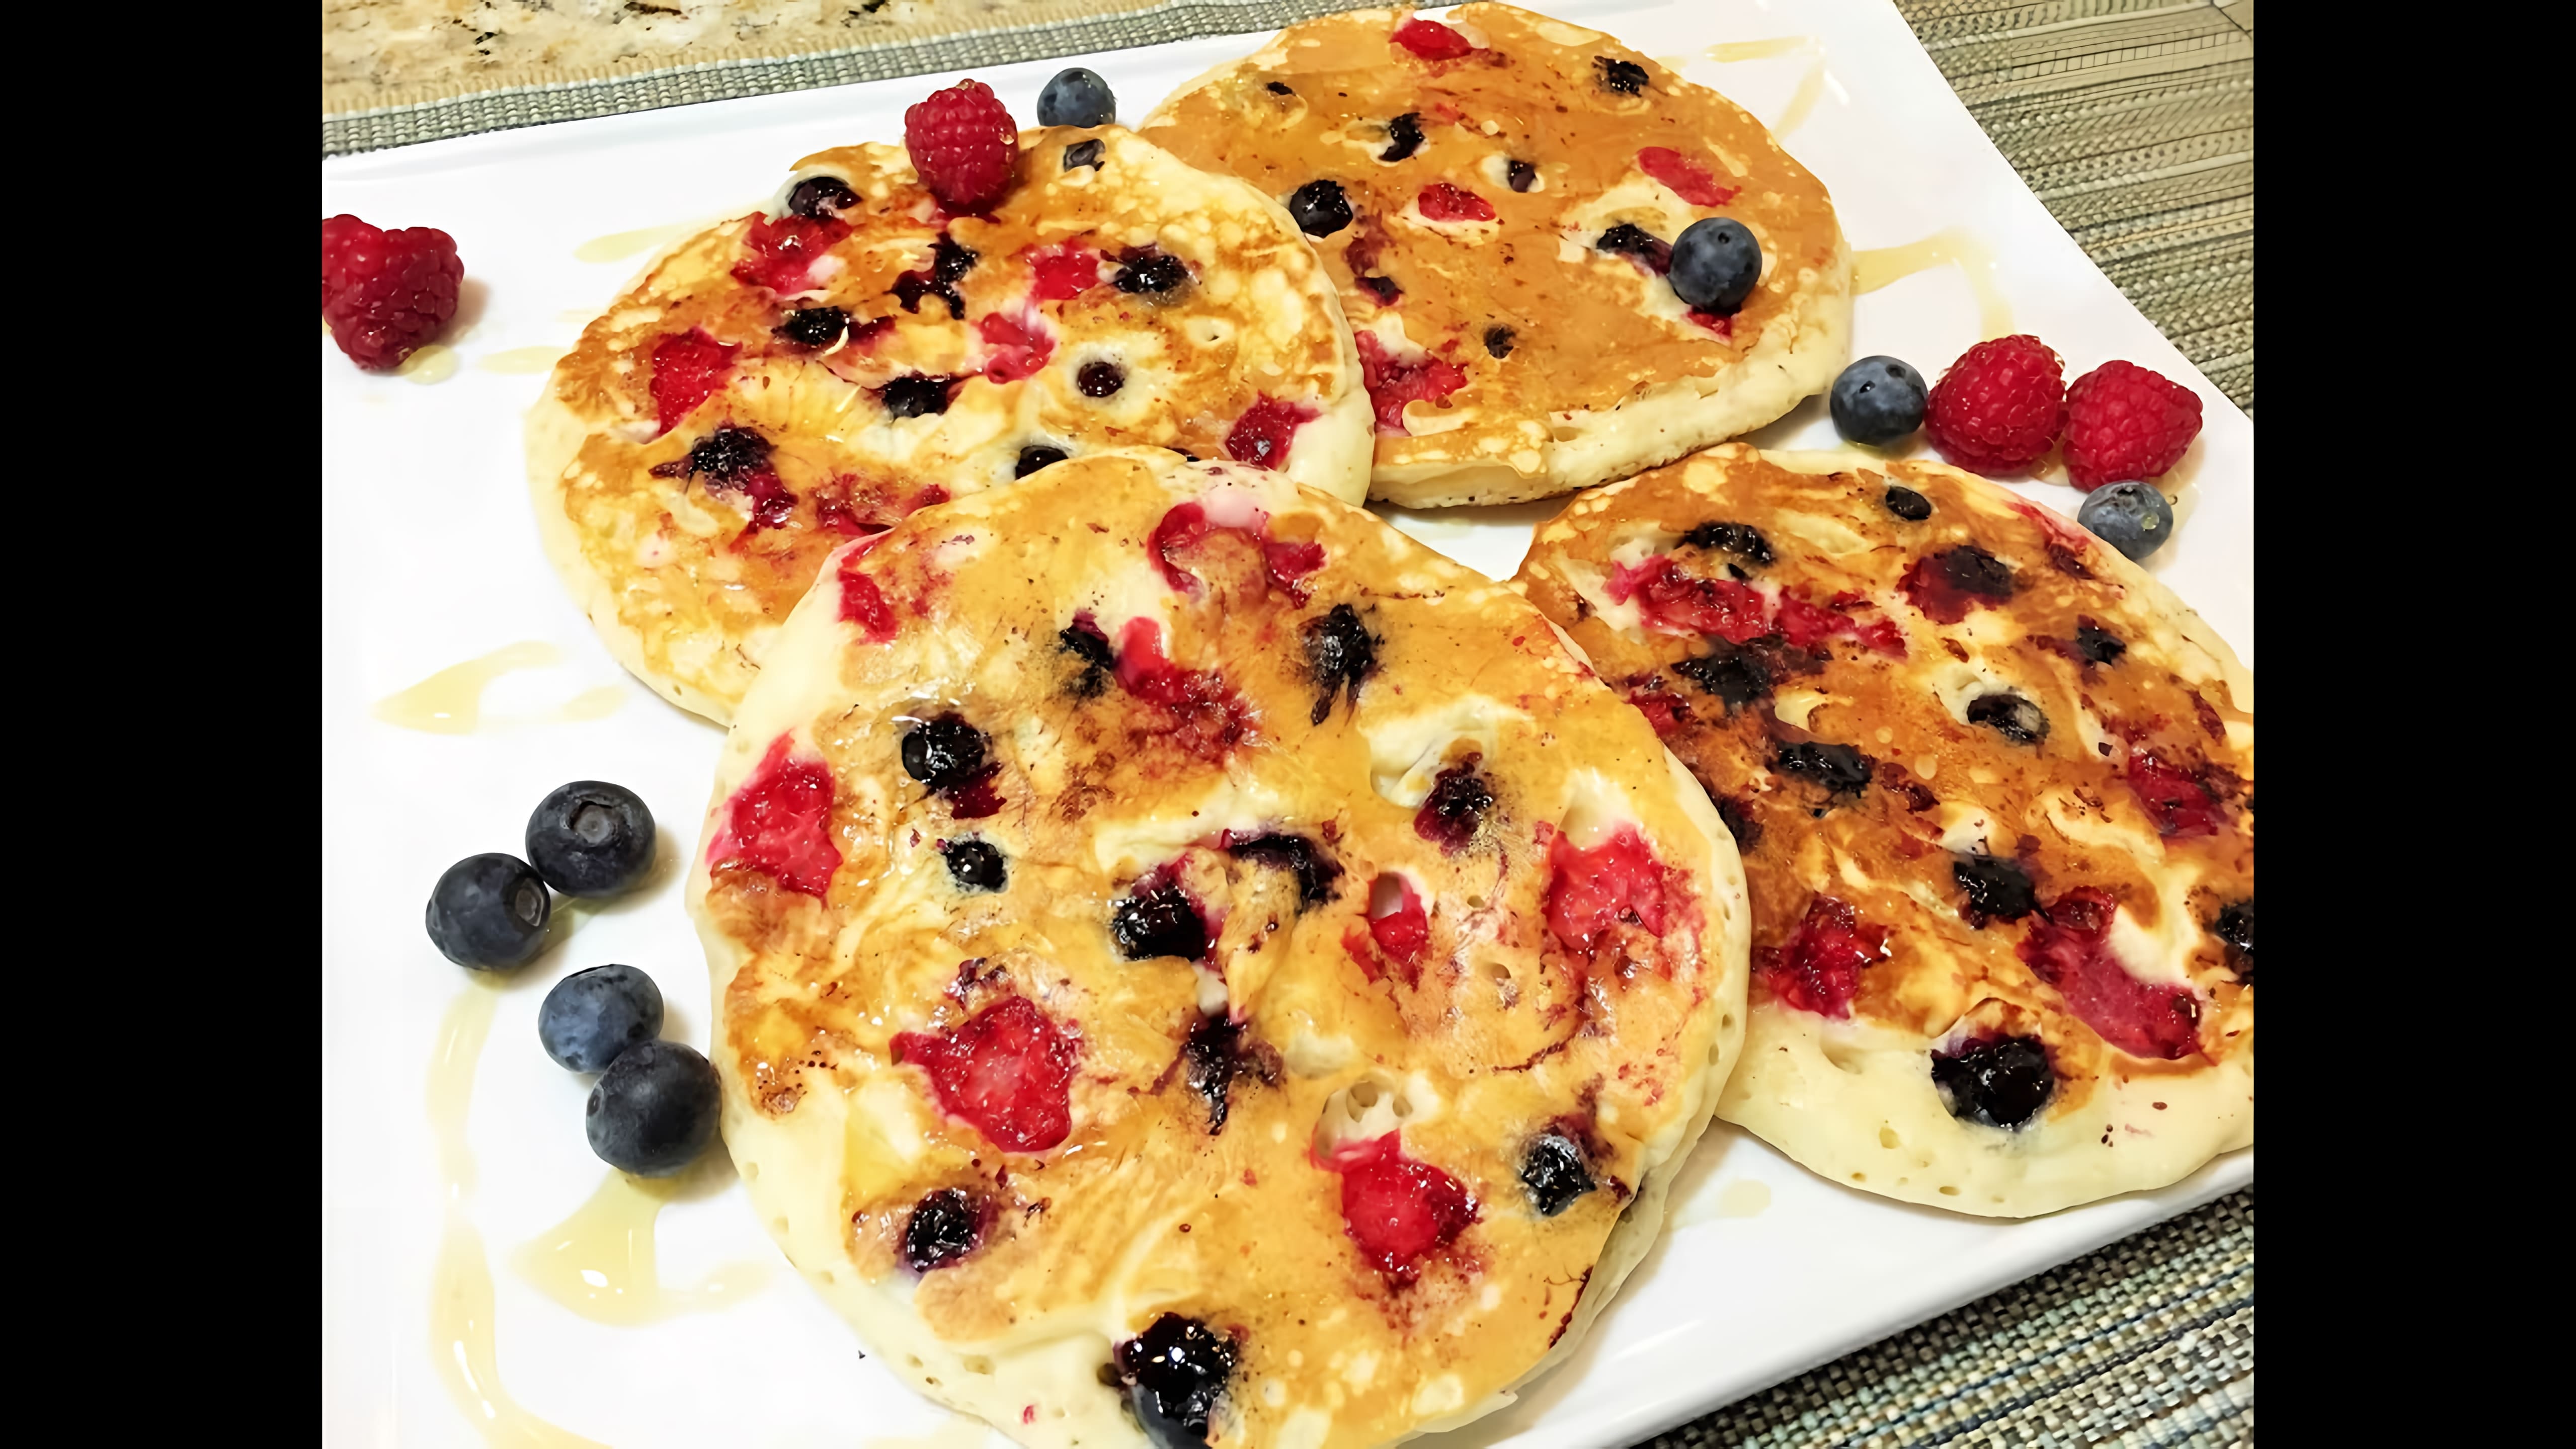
(379, 49)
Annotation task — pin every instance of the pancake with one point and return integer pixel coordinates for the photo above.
(719, 430)
(1993, 786)
(1156, 904)
(1516, 357)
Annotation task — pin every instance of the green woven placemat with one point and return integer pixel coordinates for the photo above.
(2133, 121)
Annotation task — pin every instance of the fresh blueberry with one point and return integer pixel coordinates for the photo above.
(1716, 261)
(976, 865)
(1099, 379)
(1173, 1373)
(1036, 456)
(591, 838)
(1878, 400)
(944, 1226)
(820, 196)
(2131, 517)
(1554, 1175)
(1319, 208)
(1995, 1083)
(654, 1109)
(593, 1016)
(1076, 97)
(489, 912)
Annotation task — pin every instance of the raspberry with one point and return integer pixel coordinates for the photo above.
(2124, 422)
(1432, 40)
(964, 144)
(1998, 408)
(394, 289)
(339, 235)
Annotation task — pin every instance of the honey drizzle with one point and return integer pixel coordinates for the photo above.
(450, 702)
(601, 1264)
(460, 1295)
(520, 361)
(1874, 269)
(1811, 86)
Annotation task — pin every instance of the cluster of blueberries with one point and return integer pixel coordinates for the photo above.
(655, 1106)
(1878, 400)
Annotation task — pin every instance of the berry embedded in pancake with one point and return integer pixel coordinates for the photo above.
(1499, 197)
(1994, 790)
(1193, 963)
(781, 384)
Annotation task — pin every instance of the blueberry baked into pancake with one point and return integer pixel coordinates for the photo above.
(1193, 965)
(1993, 787)
(1562, 262)
(783, 383)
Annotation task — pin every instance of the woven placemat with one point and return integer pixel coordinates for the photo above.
(2133, 121)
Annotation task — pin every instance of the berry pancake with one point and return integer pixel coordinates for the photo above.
(1497, 197)
(1993, 786)
(1180, 943)
(783, 383)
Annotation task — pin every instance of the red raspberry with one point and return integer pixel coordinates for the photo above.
(339, 235)
(964, 144)
(395, 289)
(2124, 422)
(1998, 408)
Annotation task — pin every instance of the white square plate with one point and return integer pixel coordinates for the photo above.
(430, 558)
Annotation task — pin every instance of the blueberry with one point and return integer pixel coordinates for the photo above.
(1160, 921)
(1088, 645)
(1737, 816)
(915, 396)
(1215, 1057)
(1403, 137)
(1382, 288)
(976, 865)
(1498, 342)
(1735, 676)
(1995, 1083)
(489, 912)
(1628, 239)
(591, 838)
(1716, 261)
(1907, 504)
(1553, 1173)
(1520, 175)
(591, 1017)
(1279, 88)
(654, 1109)
(1341, 651)
(820, 196)
(814, 327)
(2131, 517)
(727, 457)
(1173, 1373)
(1841, 769)
(1036, 456)
(1740, 539)
(1081, 154)
(1295, 854)
(2011, 715)
(944, 1226)
(1076, 97)
(1320, 208)
(1878, 400)
(944, 753)
(1099, 379)
(1456, 807)
(2097, 644)
(1997, 886)
(1623, 76)
(2235, 926)
(1156, 274)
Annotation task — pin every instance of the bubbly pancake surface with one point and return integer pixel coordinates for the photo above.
(1342, 969)
(1514, 349)
(1993, 789)
(783, 383)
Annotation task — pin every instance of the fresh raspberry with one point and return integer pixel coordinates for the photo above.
(2124, 422)
(396, 289)
(964, 144)
(339, 235)
(1998, 408)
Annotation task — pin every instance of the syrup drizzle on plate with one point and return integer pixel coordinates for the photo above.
(450, 702)
(601, 1263)
(1876, 268)
(1811, 86)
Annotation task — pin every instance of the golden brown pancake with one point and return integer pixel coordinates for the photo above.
(1514, 183)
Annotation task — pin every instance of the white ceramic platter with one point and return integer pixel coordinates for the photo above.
(430, 559)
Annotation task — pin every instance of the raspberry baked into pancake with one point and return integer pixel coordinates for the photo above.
(1993, 786)
(1194, 965)
(1498, 196)
(781, 384)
